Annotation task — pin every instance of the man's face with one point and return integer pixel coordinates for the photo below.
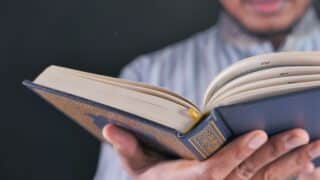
(265, 16)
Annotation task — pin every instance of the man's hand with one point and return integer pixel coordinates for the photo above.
(251, 156)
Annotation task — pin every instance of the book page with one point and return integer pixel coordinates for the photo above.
(137, 86)
(260, 62)
(261, 93)
(262, 84)
(263, 75)
(154, 108)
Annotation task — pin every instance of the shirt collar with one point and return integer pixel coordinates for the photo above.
(233, 35)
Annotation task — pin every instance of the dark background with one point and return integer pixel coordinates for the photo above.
(101, 36)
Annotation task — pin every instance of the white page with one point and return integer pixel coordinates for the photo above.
(267, 92)
(260, 62)
(263, 84)
(263, 75)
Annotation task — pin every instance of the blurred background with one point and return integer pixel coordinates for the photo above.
(101, 36)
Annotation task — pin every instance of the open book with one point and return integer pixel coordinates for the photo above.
(273, 92)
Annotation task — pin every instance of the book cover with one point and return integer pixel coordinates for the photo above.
(201, 142)
(276, 114)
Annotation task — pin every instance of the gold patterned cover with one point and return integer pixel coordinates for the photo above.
(82, 111)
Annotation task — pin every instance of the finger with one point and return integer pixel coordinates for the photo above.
(277, 146)
(132, 155)
(229, 157)
(291, 164)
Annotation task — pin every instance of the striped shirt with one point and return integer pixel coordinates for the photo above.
(188, 66)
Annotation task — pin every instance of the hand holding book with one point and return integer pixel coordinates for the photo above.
(272, 92)
(251, 156)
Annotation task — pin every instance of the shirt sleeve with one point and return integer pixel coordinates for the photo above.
(109, 165)
(138, 69)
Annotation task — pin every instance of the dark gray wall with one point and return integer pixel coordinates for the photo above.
(37, 142)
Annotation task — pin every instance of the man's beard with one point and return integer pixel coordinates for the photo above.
(269, 34)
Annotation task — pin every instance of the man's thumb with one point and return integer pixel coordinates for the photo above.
(131, 153)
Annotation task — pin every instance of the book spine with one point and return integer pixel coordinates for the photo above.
(208, 136)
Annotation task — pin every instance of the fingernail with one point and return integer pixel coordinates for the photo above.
(258, 140)
(294, 141)
(105, 134)
(106, 137)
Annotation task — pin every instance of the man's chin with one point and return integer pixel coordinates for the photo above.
(265, 33)
(268, 34)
